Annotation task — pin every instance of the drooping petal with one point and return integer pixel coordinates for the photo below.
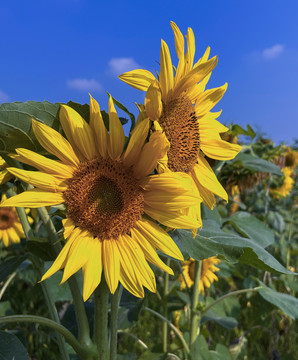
(207, 195)
(208, 99)
(150, 251)
(215, 148)
(137, 140)
(206, 177)
(98, 127)
(54, 143)
(111, 263)
(152, 151)
(92, 269)
(77, 131)
(34, 198)
(168, 181)
(68, 226)
(43, 163)
(5, 176)
(167, 201)
(39, 179)
(166, 77)
(172, 219)
(153, 103)
(158, 238)
(117, 137)
(139, 79)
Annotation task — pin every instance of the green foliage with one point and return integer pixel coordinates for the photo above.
(10, 344)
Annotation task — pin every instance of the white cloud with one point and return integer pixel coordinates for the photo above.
(120, 65)
(84, 85)
(4, 97)
(273, 52)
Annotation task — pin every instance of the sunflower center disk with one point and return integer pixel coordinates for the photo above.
(104, 198)
(7, 218)
(179, 122)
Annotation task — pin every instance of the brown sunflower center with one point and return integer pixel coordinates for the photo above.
(104, 198)
(179, 122)
(7, 218)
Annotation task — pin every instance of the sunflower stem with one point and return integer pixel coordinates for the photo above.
(115, 299)
(83, 325)
(195, 316)
(85, 353)
(165, 309)
(101, 320)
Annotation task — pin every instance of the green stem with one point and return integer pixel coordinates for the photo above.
(84, 352)
(238, 292)
(165, 310)
(83, 325)
(195, 316)
(114, 324)
(101, 320)
(176, 331)
(45, 289)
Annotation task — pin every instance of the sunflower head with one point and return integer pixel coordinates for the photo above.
(287, 184)
(181, 106)
(208, 276)
(111, 198)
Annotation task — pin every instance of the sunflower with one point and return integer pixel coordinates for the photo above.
(4, 174)
(207, 273)
(11, 230)
(180, 106)
(291, 158)
(287, 185)
(110, 197)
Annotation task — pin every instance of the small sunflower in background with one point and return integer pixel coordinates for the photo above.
(180, 107)
(291, 158)
(11, 230)
(4, 174)
(287, 185)
(109, 195)
(208, 276)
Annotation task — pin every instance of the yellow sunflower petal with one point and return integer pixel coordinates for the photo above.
(5, 238)
(98, 127)
(204, 58)
(191, 48)
(172, 219)
(39, 179)
(61, 260)
(195, 213)
(13, 236)
(206, 177)
(139, 79)
(111, 263)
(166, 77)
(44, 164)
(150, 251)
(209, 99)
(207, 195)
(152, 151)
(136, 142)
(158, 238)
(77, 131)
(92, 269)
(153, 102)
(218, 149)
(34, 198)
(194, 76)
(117, 137)
(179, 45)
(54, 143)
(128, 273)
(169, 181)
(208, 122)
(78, 254)
(5, 176)
(68, 226)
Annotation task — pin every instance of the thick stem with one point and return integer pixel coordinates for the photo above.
(176, 331)
(238, 292)
(84, 352)
(165, 309)
(195, 316)
(101, 320)
(83, 325)
(114, 324)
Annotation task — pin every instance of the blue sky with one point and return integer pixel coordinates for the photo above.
(59, 50)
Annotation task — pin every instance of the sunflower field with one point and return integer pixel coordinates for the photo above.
(175, 240)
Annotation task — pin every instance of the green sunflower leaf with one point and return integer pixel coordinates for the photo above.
(11, 347)
(15, 124)
(211, 240)
(9, 265)
(251, 227)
